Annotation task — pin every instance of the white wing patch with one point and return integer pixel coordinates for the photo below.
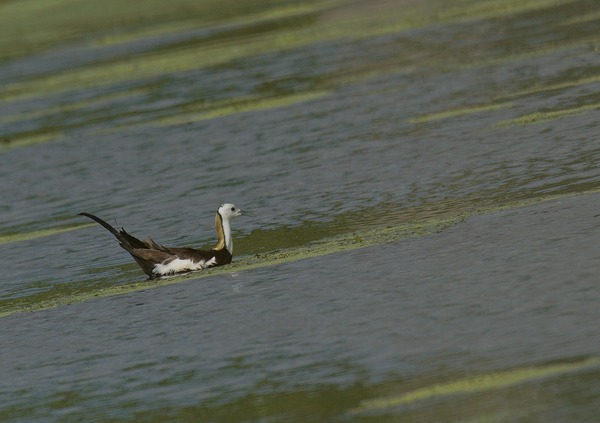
(178, 265)
(210, 262)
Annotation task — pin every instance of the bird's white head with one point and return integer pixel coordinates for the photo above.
(230, 211)
(225, 213)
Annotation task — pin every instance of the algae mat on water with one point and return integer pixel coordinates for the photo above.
(346, 239)
(64, 295)
(475, 384)
(336, 20)
(473, 399)
(26, 236)
(230, 33)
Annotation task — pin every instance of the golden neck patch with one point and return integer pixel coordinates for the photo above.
(220, 233)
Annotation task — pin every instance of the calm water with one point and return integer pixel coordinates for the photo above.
(366, 113)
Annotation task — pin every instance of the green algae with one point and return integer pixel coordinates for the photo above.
(324, 402)
(64, 294)
(331, 238)
(30, 26)
(336, 20)
(322, 240)
(457, 112)
(475, 384)
(489, 9)
(201, 54)
(239, 106)
(27, 236)
(342, 23)
(60, 20)
(28, 138)
(539, 117)
(97, 101)
(583, 19)
(569, 83)
(284, 12)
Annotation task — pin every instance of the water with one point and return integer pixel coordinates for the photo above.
(323, 119)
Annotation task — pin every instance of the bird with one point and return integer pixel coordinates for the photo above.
(159, 261)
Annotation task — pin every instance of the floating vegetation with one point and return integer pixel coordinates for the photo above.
(475, 384)
(213, 51)
(343, 239)
(25, 139)
(27, 236)
(239, 106)
(539, 117)
(468, 110)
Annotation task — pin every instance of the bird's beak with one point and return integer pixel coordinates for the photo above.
(246, 213)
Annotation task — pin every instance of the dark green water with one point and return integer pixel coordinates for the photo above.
(473, 124)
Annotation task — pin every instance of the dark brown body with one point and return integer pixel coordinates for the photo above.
(148, 254)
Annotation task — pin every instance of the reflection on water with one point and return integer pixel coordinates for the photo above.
(333, 121)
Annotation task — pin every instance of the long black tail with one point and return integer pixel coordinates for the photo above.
(103, 223)
(127, 241)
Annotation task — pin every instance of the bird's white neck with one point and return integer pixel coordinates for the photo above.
(225, 240)
(228, 237)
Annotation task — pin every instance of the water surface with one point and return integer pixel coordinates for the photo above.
(433, 162)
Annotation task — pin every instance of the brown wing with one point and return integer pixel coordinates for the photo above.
(221, 256)
(192, 253)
